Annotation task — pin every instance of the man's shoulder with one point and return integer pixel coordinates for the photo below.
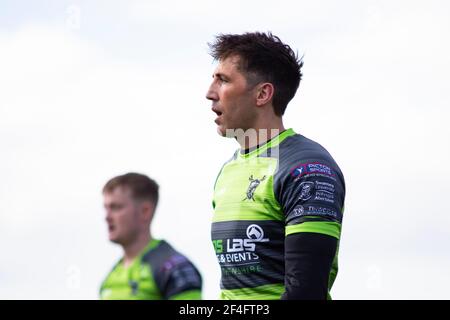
(164, 257)
(172, 271)
(299, 151)
(300, 146)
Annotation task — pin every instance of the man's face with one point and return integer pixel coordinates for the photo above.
(122, 215)
(232, 100)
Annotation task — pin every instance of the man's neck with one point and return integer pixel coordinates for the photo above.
(260, 134)
(133, 249)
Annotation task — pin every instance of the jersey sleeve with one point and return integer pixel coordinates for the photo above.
(311, 194)
(312, 198)
(180, 279)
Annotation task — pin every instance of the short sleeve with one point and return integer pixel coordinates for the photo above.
(179, 276)
(312, 197)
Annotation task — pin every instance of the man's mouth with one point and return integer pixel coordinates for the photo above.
(218, 113)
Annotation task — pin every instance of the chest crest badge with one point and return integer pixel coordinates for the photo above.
(254, 183)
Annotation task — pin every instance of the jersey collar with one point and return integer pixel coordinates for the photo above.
(272, 143)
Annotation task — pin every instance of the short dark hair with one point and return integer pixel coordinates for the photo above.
(265, 56)
(141, 186)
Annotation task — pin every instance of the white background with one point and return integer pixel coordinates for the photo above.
(92, 89)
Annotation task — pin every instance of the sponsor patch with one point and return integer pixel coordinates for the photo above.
(315, 169)
(324, 191)
(173, 261)
(298, 211)
(314, 211)
(306, 190)
(317, 190)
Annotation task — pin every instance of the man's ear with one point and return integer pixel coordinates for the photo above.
(264, 93)
(147, 210)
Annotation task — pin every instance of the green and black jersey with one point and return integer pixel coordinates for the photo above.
(158, 273)
(288, 186)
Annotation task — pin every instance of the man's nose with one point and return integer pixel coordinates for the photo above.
(212, 94)
(108, 216)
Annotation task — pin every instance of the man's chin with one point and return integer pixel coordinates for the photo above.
(226, 132)
(114, 239)
(221, 131)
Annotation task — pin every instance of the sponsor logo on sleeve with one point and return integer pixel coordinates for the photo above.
(316, 191)
(311, 169)
(306, 190)
(298, 211)
(314, 211)
(324, 191)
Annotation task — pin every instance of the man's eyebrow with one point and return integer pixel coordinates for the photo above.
(219, 74)
(111, 204)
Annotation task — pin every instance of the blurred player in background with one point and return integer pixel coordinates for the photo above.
(150, 269)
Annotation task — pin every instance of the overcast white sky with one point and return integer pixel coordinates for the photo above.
(92, 89)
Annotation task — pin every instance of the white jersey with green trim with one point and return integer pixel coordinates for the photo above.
(289, 185)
